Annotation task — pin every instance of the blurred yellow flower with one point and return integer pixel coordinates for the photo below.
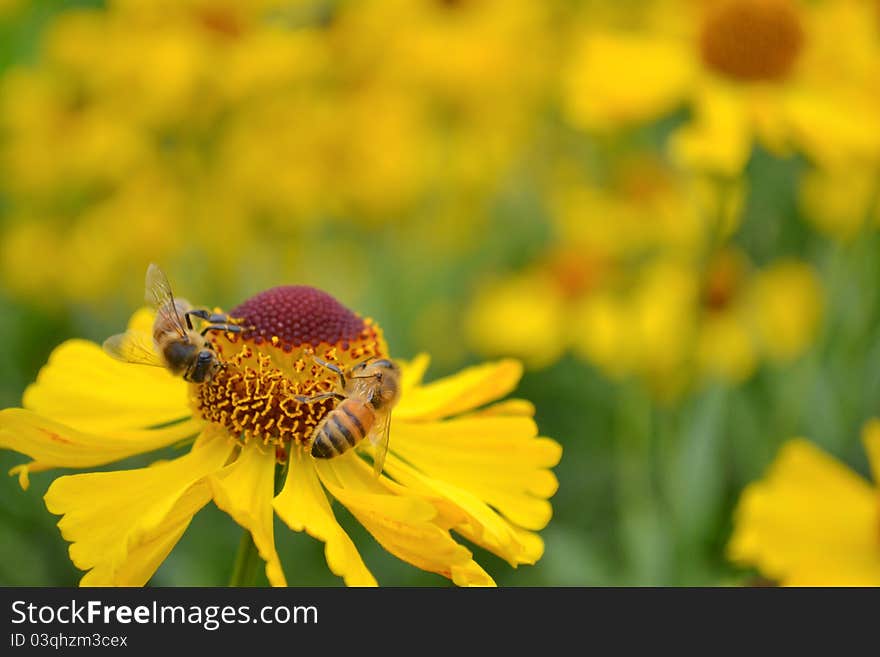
(775, 72)
(268, 117)
(676, 325)
(773, 313)
(616, 77)
(726, 346)
(841, 202)
(520, 316)
(812, 521)
(788, 303)
(455, 463)
(642, 207)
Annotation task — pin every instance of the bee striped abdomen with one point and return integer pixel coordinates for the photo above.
(342, 428)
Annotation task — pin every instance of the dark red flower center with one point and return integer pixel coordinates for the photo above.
(298, 315)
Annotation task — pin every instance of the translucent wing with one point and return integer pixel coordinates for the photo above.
(380, 438)
(132, 347)
(158, 294)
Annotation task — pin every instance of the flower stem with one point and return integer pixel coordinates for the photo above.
(244, 572)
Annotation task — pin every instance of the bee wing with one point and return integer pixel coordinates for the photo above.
(132, 347)
(158, 294)
(380, 437)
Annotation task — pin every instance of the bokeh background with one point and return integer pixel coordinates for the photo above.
(668, 210)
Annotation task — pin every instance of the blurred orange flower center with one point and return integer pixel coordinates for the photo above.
(752, 40)
(723, 282)
(267, 366)
(221, 21)
(576, 272)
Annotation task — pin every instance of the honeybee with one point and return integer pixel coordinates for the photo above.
(369, 391)
(176, 345)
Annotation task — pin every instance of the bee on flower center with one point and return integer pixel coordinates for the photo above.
(370, 390)
(177, 345)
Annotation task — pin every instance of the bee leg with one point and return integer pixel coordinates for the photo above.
(230, 328)
(321, 397)
(211, 318)
(332, 368)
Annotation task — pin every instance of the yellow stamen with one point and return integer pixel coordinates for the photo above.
(272, 363)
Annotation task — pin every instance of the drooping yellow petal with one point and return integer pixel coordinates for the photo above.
(54, 445)
(496, 458)
(810, 521)
(244, 490)
(123, 524)
(303, 506)
(147, 554)
(403, 524)
(86, 389)
(478, 522)
(464, 391)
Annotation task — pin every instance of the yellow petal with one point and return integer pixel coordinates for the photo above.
(412, 372)
(402, 524)
(465, 391)
(810, 521)
(719, 139)
(508, 407)
(478, 522)
(618, 78)
(53, 445)
(303, 506)
(835, 129)
(244, 490)
(496, 458)
(123, 524)
(86, 389)
(147, 554)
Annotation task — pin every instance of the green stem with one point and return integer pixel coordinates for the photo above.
(247, 561)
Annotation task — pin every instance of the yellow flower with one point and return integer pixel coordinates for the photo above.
(771, 314)
(679, 324)
(520, 316)
(841, 202)
(777, 72)
(641, 206)
(617, 78)
(788, 304)
(380, 111)
(811, 521)
(455, 463)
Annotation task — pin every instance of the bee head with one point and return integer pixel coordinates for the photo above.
(204, 367)
(378, 376)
